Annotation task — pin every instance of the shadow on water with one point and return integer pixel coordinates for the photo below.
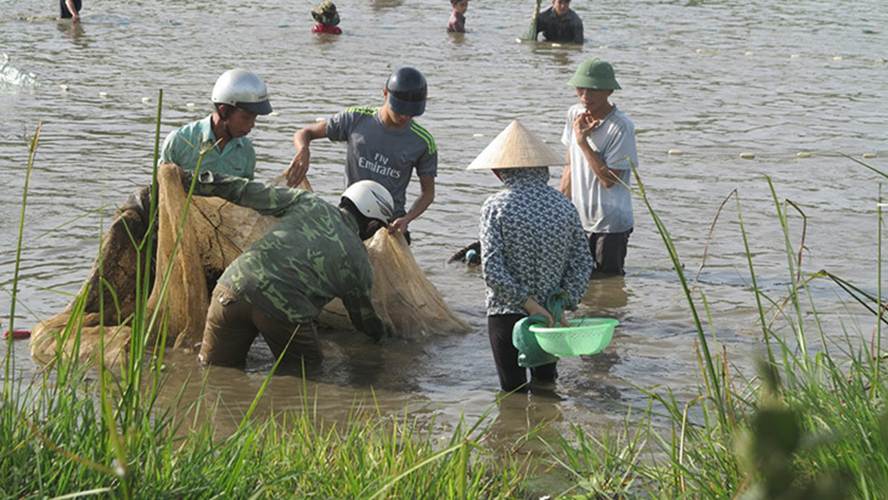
(521, 414)
(385, 4)
(605, 294)
(331, 389)
(74, 31)
(457, 38)
(326, 41)
(560, 54)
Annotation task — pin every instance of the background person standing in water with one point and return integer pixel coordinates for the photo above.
(601, 153)
(560, 24)
(70, 9)
(326, 19)
(384, 145)
(457, 23)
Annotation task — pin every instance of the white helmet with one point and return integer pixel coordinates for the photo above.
(371, 199)
(243, 89)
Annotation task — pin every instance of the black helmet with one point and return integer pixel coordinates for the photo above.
(407, 91)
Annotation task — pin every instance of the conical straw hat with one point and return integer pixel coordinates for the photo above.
(516, 147)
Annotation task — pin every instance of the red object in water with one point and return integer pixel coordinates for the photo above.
(328, 29)
(17, 334)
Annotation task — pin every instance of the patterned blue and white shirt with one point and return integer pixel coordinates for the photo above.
(532, 244)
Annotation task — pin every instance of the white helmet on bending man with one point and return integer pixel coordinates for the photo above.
(372, 200)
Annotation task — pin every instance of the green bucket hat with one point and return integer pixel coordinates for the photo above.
(595, 74)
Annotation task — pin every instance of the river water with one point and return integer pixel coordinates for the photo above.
(710, 79)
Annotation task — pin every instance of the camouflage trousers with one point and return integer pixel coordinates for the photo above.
(233, 323)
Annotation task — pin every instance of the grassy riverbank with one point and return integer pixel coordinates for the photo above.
(809, 425)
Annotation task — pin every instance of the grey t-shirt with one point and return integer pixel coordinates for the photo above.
(603, 210)
(383, 154)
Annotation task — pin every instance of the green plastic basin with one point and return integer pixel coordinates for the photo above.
(584, 336)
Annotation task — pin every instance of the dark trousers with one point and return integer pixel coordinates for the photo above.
(609, 251)
(233, 323)
(512, 376)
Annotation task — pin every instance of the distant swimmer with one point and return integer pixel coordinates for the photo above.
(70, 9)
(326, 19)
(560, 24)
(457, 23)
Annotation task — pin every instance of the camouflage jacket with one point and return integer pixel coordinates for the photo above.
(310, 256)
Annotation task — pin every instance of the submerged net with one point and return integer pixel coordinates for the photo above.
(402, 295)
(191, 254)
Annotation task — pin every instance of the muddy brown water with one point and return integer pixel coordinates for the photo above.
(710, 79)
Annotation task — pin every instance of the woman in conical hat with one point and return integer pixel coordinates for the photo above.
(532, 246)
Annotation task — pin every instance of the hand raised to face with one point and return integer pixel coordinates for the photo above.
(583, 125)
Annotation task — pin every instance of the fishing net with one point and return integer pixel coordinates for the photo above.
(402, 295)
(192, 252)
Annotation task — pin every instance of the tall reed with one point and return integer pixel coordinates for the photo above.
(808, 426)
(9, 361)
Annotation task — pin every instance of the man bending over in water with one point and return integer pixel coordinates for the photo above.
(280, 284)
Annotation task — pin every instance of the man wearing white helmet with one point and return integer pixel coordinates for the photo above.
(278, 286)
(238, 97)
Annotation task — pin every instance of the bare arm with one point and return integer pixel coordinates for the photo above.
(299, 165)
(426, 197)
(582, 126)
(75, 16)
(564, 185)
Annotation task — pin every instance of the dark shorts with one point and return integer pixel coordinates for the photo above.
(512, 377)
(609, 251)
(64, 13)
(233, 323)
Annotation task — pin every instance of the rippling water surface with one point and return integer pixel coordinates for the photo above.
(711, 79)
